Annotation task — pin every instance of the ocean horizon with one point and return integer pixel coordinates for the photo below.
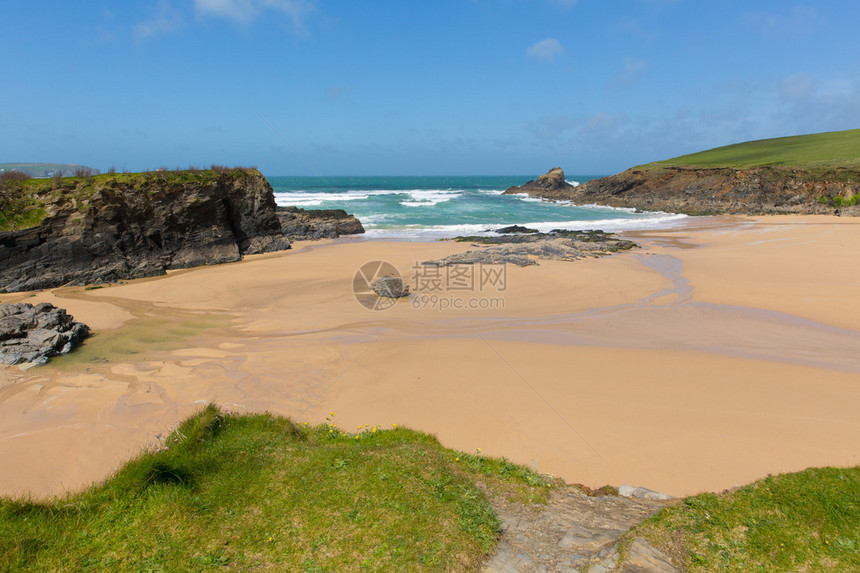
(437, 207)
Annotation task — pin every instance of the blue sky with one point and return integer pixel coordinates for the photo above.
(417, 88)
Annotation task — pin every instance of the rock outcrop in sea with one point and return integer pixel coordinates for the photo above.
(756, 191)
(551, 182)
(35, 333)
(304, 224)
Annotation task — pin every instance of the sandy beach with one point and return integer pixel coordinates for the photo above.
(721, 351)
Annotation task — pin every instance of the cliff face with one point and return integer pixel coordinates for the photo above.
(112, 227)
(763, 190)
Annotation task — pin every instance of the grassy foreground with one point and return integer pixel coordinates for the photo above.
(261, 492)
(805, 521)
(247, 492)
(830, 150)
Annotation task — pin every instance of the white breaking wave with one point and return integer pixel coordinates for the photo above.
(428, 198)
(412, 197)
(529, 199)
(657, 220)
(311, 198)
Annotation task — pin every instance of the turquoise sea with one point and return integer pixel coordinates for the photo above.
(432, 207)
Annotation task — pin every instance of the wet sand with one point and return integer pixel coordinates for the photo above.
(720, 352)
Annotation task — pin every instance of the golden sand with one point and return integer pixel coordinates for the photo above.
(718, 353)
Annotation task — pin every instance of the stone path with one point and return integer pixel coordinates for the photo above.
(575, 532)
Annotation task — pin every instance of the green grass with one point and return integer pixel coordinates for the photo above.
(830, 150)
(261, 492)
(805, 521)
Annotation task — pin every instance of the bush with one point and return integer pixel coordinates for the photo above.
(10, 176)
(85, 172)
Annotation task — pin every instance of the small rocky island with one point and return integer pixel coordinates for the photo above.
(104, 228)
(550, 185)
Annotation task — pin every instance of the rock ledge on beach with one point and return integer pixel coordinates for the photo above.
(35, 333)
(525, 249)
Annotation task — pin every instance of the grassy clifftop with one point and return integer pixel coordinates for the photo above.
(24, 202)
(258, 492)
(249, 492)
(830, 150)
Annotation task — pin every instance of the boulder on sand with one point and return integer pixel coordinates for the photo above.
(35, 333)
(390, 287)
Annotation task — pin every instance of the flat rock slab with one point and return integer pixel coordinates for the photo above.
(574, 532)
(524, 249)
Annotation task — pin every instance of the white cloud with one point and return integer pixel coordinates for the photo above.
(545, 50)
(244, 11)
(164, 20)
(631, 69)
(798, 21)
(797, 87)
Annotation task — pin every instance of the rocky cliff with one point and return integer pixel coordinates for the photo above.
(83, 230)
(762, 190)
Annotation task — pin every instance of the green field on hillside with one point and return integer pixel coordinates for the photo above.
(828, 150)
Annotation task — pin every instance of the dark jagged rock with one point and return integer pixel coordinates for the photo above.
(756, 191)
(586, 236)
(111, 227)
(305, 224)
(515, 229)
(550, 182)
(35, 333)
